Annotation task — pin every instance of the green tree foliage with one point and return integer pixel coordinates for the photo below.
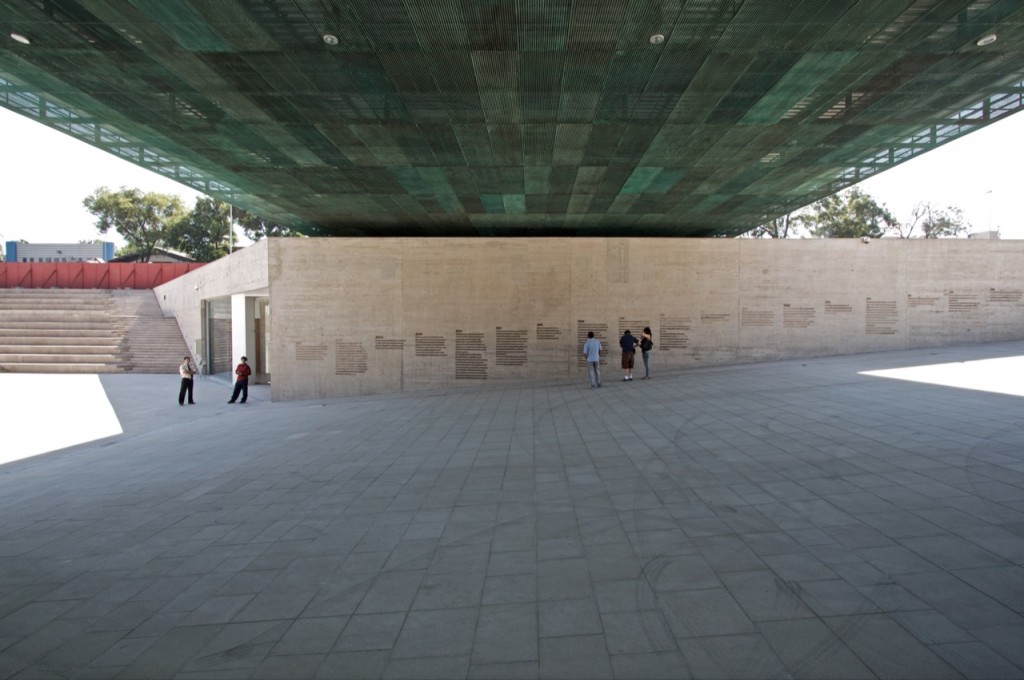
(141, 219)
(125, 251)
(204, 233)
(256, 227)
(848, 214)
(927, 221)
(785, 226)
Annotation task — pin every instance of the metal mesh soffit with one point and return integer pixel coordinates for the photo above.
(500, 117)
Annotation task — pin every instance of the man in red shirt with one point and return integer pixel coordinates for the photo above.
(242, 373)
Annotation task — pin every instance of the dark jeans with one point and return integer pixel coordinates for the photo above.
(186, 387)
(243, 387)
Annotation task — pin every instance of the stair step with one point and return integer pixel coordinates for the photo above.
(55, 314)
(47, 326)
(26, 358)
(16, 305)
(87, 330)
(58, 335)
(69, 302)
(53, 294)
(61, 368)
(109, 348)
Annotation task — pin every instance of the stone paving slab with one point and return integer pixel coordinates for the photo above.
(795, 519)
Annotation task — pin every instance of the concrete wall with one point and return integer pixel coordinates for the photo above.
(360, 316)
(245, 271)
(356, 316)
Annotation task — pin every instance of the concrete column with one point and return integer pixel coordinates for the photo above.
(242, 327)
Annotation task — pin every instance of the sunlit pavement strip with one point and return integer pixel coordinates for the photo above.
(1002, 376)
(46, 412)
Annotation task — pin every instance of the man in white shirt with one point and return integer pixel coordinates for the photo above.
(186, 370)
(592, 351)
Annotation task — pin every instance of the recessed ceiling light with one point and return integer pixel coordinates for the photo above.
(331, 39)
(657, 39)
(20, 38)
(986, 39)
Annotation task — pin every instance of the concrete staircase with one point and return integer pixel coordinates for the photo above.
(154, 340)
(86, 331)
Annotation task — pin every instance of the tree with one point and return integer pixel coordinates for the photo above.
(933, 222)
(141, 219)
(784, 226)
(125, 251)
(849, 214)
(256, 227)
(203, 234)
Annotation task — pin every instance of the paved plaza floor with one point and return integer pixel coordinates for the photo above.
(851, 517)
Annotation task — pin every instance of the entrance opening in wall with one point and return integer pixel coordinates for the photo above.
(261, 340)
(217, 332)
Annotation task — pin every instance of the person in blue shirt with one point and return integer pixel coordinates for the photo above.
(628, 345)
(592, 351)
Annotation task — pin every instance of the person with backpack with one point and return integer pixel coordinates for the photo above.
(628, 344)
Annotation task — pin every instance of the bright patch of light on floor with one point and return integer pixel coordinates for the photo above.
(47, 412)
(1002, 376)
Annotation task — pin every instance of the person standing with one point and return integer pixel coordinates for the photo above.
(628, 345)
(186, 371)
(592, 351)
(646, 345)
(242, 373)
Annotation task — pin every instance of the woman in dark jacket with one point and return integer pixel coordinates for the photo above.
(646, 345)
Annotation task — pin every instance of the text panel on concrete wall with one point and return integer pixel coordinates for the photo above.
(337, 322)
(959, 293)
(356, 316)
(795, 302)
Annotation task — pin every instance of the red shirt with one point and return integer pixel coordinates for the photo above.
(243, 371)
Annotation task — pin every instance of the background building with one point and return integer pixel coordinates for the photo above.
(59, 252)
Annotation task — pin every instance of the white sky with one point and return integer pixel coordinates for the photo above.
(46, 175)
(960, 174)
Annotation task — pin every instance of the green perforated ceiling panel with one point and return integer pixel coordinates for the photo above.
(504, 117)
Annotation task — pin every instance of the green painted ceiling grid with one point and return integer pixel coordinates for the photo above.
(796, 84)
(182, 24)
(544, 116)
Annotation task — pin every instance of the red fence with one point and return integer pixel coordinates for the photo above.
(109, 275)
